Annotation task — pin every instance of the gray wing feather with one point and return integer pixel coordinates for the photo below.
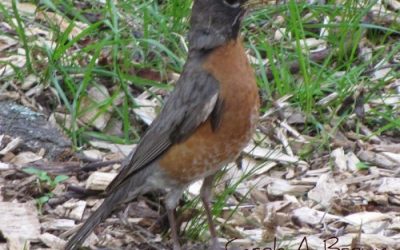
(189, 105)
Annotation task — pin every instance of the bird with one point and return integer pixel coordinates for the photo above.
(205, 123)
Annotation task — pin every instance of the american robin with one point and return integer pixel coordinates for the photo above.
(205, 123)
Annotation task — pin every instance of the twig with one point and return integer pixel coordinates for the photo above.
(96, 165)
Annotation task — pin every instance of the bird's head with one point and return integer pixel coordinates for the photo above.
(214, 22)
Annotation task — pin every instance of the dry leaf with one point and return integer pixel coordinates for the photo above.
(339, 159)
(326, 190)
(310, 43)
(91, 113)
(6, 42)
(146, 110)
(389, 185)
(19, 222)
(115, 148)
(25, 157)
(52, 241)
(359, 219)
(58, 224)
(93, 154)
(26, 8)
(312, 216)
(280, 187)
(17, 61)
(11, 146)
(99, 180)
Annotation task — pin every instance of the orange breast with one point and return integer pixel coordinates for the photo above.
(206, 151)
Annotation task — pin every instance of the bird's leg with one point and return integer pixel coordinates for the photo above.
(205, 195)
(171, 202)
(174, 230)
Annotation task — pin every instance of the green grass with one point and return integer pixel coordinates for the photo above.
(132, 35)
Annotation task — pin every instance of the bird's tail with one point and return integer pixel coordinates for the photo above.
(127, 191)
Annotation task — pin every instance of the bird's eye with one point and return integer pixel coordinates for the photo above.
(232, 3)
